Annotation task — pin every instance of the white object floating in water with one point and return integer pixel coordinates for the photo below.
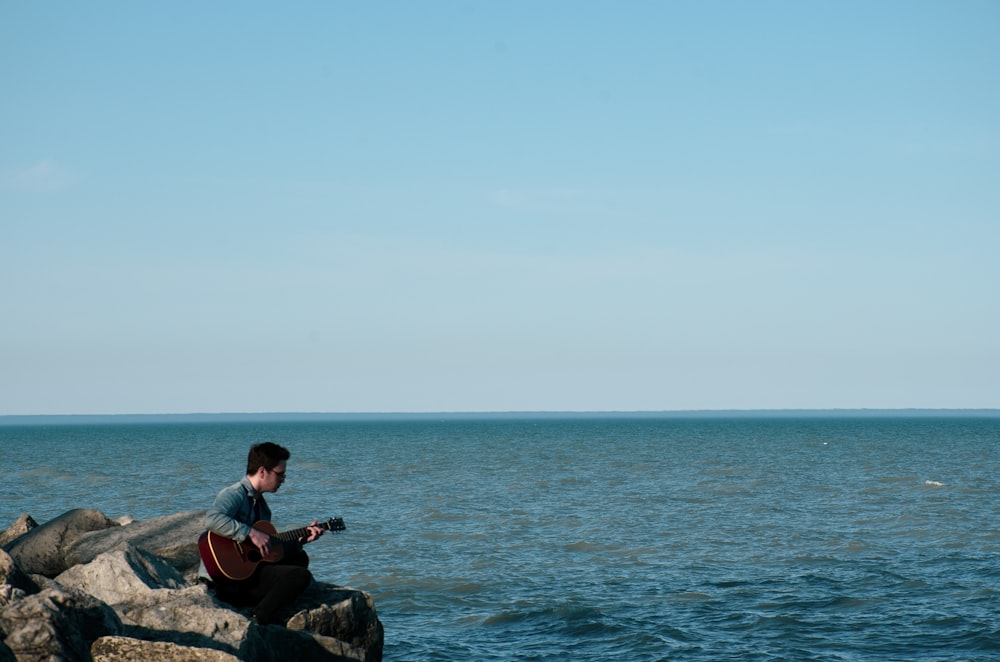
(933, 483)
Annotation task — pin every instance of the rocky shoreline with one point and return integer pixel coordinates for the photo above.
(84, 587)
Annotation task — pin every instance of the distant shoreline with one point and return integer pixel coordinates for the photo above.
(289, 417)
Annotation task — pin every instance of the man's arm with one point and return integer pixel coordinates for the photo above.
(221, 517)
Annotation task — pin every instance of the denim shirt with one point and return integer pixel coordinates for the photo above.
(232, 514)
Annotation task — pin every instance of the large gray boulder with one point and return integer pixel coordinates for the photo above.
(171, 537)
(12, 579)
(56, 624)
(121, 575)
(42, 550)
(344, 614)
(189, 616)
(23, 524)
(126, 649)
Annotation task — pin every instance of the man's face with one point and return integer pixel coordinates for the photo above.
(273, 478)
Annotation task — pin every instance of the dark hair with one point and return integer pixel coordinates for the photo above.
(267, 455)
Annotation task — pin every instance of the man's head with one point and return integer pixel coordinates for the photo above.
(267, 455)
(266, 465)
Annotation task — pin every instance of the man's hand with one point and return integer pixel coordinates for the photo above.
(314, 532)
(261, 540)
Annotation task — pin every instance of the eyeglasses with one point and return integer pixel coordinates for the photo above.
(279, 474)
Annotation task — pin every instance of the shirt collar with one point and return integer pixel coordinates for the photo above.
(248, 486)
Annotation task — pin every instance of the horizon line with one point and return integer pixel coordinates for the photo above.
(291, 415)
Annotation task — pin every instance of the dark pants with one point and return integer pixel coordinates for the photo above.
(272, 587)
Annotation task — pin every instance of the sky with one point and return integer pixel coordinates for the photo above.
(498, 206)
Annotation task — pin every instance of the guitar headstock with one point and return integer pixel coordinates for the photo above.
(333, 524)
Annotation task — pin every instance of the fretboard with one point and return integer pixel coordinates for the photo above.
(295, 534)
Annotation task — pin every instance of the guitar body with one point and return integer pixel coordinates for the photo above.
(224, 558)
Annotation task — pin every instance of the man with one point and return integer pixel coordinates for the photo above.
(273, 586)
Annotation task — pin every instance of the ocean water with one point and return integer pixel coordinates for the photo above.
(585, 538)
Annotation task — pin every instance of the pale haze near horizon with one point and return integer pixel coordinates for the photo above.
(454, 206)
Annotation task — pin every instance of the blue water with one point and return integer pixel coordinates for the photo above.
(592, 538)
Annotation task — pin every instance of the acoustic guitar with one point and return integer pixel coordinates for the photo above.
(225, 558)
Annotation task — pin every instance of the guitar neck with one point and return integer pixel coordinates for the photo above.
(295, 534)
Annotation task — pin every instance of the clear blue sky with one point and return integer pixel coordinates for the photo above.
(495, 206)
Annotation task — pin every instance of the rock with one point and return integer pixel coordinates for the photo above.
(118, 576)
(125, 649)
(23, 524)
(13, 578)
(190, 616)
(193, 617)
(284, 644)
(56, 624)
(42, 550)
(9, 594)
(173, 537)
(345, 614)
(129, 603)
